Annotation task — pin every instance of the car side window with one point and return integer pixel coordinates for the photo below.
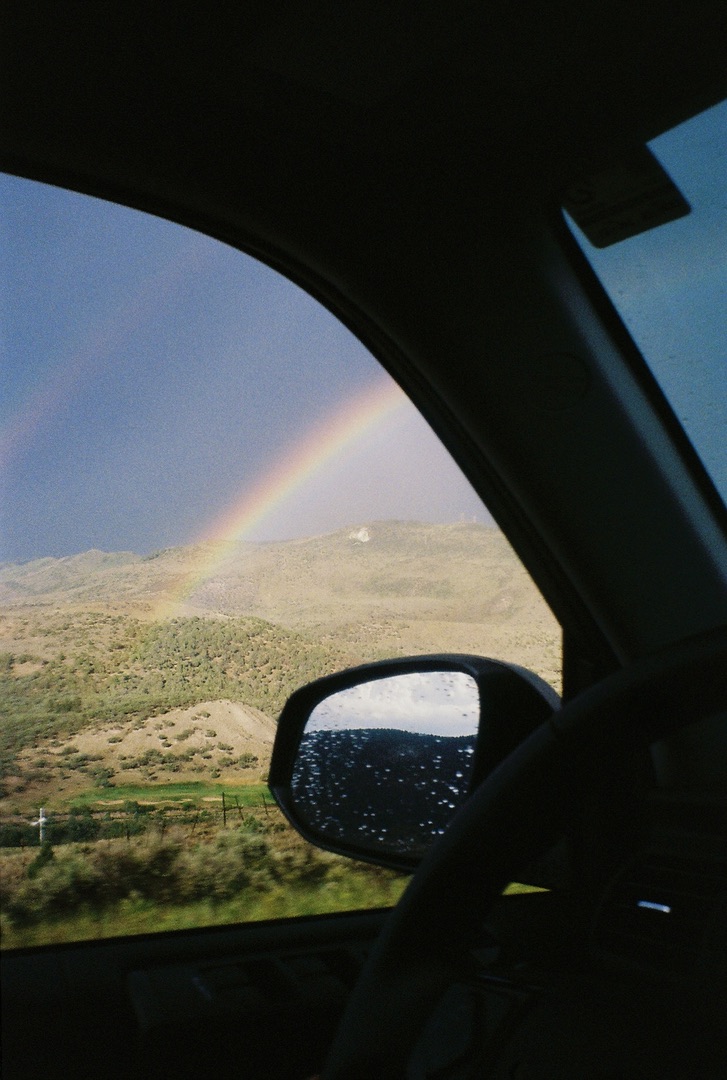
(211, 494)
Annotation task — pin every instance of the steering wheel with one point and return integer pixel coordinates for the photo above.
(519, 809)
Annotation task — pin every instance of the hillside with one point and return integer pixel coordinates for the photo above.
(354, 582)
(86, 653)
(463, 571)
(85, 682)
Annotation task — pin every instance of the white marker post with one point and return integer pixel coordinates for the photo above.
(41, 825)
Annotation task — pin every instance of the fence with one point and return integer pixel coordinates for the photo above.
(130, 819)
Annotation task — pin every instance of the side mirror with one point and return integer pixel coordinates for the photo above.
(375, 761)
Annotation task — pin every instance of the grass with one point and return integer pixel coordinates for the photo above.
(109, 888)
(183, 791)
(138, 916)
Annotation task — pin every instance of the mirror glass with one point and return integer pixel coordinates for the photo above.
(385, 764)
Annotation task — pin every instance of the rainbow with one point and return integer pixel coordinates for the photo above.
(294, 468)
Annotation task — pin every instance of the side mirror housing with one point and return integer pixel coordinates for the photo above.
(375, 761)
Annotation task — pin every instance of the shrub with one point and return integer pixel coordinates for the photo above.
(81, 825)
(303, 864)
(116, 828)
(57, 887)
(103, 776)
(242, 860)
(16, 834)
(237, 859)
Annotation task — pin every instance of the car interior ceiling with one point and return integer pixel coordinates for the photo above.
(355, 148)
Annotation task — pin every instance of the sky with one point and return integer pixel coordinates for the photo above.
(669, 285)
(426, 703)
(158, 388)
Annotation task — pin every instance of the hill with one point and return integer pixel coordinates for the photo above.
(100, 641)
(354, 581)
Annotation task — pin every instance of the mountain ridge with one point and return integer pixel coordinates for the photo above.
(397, 566)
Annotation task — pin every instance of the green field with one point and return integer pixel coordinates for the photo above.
(193, 791)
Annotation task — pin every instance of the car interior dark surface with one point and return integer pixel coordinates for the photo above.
(407, 164)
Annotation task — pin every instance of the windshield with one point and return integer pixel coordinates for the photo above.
(669, 284)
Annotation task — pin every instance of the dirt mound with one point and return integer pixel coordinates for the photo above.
(210, 727)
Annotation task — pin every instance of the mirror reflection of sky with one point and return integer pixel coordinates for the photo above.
(427, 703)
(152, 376)
(670, 286)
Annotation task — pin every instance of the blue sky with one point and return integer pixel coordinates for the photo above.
(670, 286)
(151, 376)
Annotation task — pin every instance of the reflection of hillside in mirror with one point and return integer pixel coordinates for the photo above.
(389, 761)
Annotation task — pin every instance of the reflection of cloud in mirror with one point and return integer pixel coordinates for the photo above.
(430, 702)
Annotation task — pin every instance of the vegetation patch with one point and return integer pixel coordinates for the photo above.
(197, 791)
(111, 887)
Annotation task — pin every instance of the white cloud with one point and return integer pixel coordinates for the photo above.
(431, 703)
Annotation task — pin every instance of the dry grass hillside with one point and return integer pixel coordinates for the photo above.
(98, 689)
(387, 586)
